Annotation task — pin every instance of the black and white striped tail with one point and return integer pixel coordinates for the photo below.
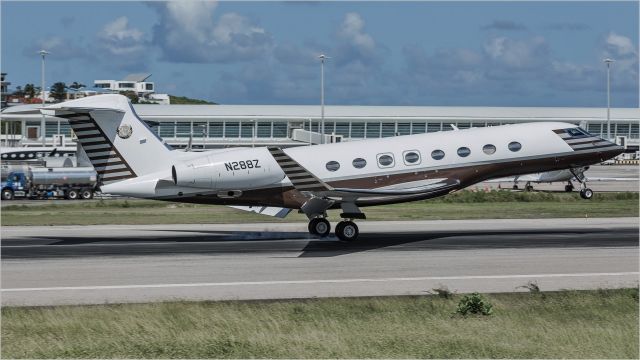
(300, 177)
(105, 158)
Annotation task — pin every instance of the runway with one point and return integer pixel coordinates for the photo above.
(113, 264)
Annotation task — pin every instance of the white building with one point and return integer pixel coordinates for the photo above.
(137, 83)
(215, 126)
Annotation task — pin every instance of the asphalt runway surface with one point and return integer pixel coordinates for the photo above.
(116, 264)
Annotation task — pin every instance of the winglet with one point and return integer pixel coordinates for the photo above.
(300, 178)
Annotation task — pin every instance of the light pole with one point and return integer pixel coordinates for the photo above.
(43, 53)
(322, 57)
(608, 62)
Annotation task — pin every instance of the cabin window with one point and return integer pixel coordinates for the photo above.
(437, 154)
(464, 151)
(359, 163)
(4, 156)
(489, 149)
(21, 155)
(515, 146)
(333, 165)
(412, 157)
(385, 160)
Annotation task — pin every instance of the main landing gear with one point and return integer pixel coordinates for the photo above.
(346, 230)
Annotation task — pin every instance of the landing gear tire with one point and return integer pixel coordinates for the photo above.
(515, 187)
(347, 231)
(86, 194)
(72, 194)
(7, 194)
(568, 188)
(528, 188)
(320, 227)
(586, 193)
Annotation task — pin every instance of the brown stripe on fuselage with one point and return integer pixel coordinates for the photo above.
(468, 175)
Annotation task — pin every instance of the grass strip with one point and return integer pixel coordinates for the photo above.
(460, 205)
(568, 324)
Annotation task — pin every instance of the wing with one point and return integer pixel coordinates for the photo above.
(306, 182)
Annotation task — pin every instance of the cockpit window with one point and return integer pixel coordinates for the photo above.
(577, 132)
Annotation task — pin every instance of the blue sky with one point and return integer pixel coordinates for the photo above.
(382, 53)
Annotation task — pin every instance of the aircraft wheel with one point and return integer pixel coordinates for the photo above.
(347, 231)
(320, 227)
(586, 193)
(7, 194)
(568, 188)
(515, 187)
(528, 188)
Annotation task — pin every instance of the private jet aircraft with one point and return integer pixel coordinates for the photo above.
(132, 160)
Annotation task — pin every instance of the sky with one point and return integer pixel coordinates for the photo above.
(516, 53)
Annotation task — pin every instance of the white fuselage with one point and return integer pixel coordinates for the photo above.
(215, 174)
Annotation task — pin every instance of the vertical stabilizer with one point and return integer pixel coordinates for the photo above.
(116, 141)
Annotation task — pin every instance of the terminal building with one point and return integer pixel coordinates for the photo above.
(217, 126)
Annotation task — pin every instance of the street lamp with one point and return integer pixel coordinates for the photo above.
(322, 57)
(608, 62)
(43, 53)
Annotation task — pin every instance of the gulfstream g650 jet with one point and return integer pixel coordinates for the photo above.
(132, 160)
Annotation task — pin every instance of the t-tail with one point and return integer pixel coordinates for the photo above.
(113, 138)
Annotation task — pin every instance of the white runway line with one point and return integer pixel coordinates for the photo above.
(336, 281)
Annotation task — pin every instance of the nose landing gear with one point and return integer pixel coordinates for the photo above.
(585, 192)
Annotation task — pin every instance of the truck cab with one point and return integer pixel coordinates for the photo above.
(15, 185)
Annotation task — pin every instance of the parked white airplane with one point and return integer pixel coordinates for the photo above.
(132, 160)
(564, 175)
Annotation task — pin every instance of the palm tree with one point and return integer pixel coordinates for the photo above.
(76, 85)
(59, 91)
(30, 91)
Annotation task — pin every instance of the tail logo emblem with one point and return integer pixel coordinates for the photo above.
(124, 131)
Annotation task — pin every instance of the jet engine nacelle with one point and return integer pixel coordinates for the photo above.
(239, 169)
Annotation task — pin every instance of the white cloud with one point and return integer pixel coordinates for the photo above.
(188, 32)
(620, 45)
(515, 53)
(121, 40)
(352, 29)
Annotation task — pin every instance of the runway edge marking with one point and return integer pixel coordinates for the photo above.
(296, 282)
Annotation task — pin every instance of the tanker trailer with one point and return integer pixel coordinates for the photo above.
(39, 183)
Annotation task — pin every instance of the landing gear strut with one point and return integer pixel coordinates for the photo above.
(585, 192)
(568, 187)
(319, 226)
(528, 187)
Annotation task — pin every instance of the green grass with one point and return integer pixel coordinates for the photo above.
(461, 205)
(571, 324)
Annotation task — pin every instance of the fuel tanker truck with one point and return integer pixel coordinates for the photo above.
(42, 183)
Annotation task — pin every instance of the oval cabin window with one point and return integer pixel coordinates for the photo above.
(412, 157)
(385, 160)
(333, 165)
(437, 154)
(489, 149)
(359, 163)
(464, 151)
(515, 146)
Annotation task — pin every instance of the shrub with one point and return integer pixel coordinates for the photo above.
(474, 304)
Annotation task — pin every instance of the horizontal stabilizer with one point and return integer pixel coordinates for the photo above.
(265, 210)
